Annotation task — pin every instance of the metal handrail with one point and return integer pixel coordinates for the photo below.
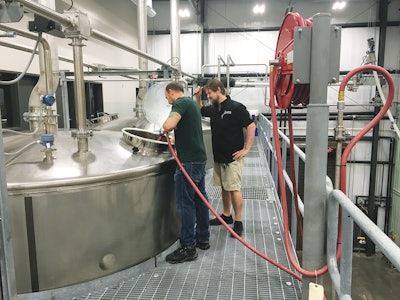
(350, 214)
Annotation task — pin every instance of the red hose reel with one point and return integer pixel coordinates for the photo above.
(286, 91)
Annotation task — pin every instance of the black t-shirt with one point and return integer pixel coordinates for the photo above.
(227, 123)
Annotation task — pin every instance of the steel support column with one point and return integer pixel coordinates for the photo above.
(372, 210)
(143, 63)
(316, 150)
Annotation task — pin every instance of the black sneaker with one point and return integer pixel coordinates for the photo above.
(238, 228)
(228, 220)
(203, 245)
(181, 255)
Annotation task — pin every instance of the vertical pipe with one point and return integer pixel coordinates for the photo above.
(340, 138)
(316, 149)
(274, 164)
(143, 63)
(372, 210)
(51, 114)
(219, 68)
(228, 73)
(46, 62)
(395, 217)
(80, 101)
(284, 153)
(175, 38)
(383, 19)
(64, 96)
(293, 224)
(227, 78)
(202, 40)
(390, 185)
(331, 241)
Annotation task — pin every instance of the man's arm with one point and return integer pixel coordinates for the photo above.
(197, 95)
(172, 121)
(250, 133)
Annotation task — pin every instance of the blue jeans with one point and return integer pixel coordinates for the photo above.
(193, 211)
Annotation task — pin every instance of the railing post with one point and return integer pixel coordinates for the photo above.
(346, 260)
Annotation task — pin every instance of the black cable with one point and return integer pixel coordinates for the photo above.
(72, 4)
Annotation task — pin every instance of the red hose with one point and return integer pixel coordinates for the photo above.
(259, 253)
(282, 189)
(373, 122)
(296, 195)
(343, 162)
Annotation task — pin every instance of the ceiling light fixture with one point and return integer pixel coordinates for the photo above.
(259, 9)
(184, 13)
(337, 5)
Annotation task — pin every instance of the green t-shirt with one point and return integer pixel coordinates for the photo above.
(189, 142)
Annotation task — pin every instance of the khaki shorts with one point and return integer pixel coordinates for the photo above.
(228, 176)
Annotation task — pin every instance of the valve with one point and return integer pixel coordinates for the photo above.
(286, 91)
(48, 100)
(47, 140)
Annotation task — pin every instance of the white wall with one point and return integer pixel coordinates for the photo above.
(249, 48)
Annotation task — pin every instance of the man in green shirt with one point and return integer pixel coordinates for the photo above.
(185, 120)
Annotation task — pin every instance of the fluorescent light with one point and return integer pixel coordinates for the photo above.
(184, 13)
(339, 5)
(259, 8)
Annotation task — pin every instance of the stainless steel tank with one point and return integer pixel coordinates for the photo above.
(77, 218)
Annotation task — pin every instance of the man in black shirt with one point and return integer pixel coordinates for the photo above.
(228, 118)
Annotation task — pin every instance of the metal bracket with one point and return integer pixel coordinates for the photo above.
(79, 135)
(81, 25)
(302, 55)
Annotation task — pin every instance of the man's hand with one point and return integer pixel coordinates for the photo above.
(197, 95)
(240, 154)
(197, 91)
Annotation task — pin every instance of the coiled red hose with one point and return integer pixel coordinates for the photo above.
(281, 181)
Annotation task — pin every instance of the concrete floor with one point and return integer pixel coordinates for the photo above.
(373, 279)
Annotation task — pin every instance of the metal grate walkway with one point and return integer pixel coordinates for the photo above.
(227, 270)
